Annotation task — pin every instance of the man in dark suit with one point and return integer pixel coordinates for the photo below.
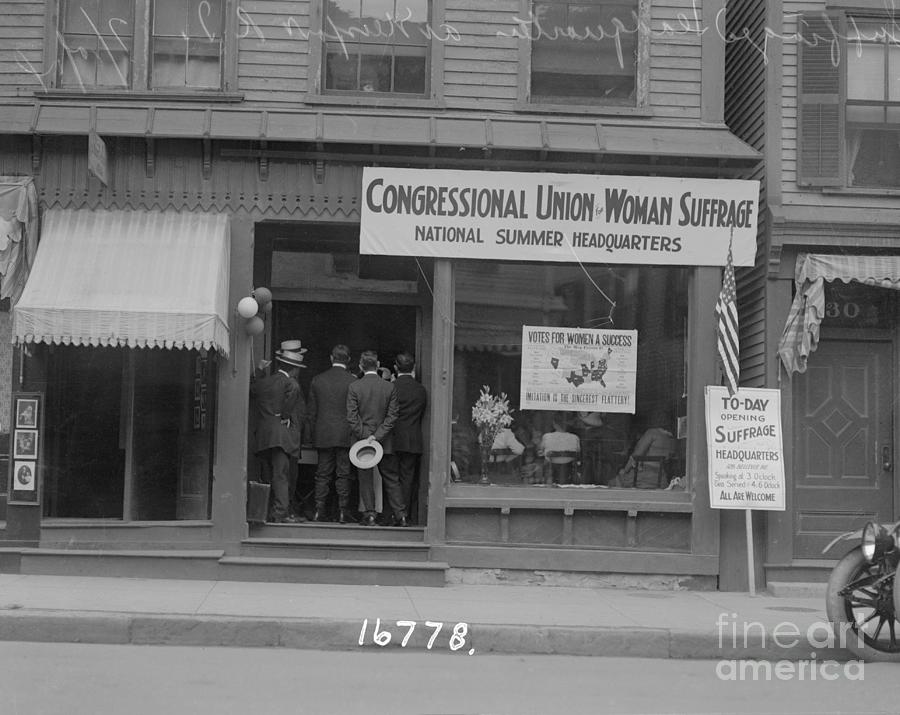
(407, 434)
(331, 433)
(371, 412)
(280, 411)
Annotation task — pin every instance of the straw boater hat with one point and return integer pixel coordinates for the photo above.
(291, 353)
(365, 454)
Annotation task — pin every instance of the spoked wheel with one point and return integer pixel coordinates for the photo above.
(860, 605)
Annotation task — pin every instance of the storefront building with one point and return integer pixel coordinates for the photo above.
(246, 165)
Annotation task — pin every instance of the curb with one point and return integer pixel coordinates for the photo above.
(344, 635)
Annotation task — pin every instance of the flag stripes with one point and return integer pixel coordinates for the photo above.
(727, 328)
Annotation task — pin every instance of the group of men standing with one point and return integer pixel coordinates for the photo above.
(342, 410)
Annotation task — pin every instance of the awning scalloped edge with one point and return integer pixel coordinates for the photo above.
(121, 342)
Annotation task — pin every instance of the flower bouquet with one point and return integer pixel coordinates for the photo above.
(490, 414)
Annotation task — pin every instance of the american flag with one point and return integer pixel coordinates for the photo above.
(727, 330)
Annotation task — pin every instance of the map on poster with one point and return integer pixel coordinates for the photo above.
(578, 369)
(746, 456)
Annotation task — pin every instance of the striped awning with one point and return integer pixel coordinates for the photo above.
(801, 331)
(128, 278)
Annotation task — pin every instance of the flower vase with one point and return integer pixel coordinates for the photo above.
(486, 442)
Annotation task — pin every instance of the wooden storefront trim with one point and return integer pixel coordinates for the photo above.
(567, 559)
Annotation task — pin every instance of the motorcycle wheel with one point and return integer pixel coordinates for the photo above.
(863, 609)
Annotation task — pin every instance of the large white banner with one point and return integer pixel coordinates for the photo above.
(506, 216)
(744, 442)
(578, 369)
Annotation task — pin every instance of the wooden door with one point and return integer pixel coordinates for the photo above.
(843, 447)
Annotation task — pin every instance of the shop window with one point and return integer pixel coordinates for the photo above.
(584, 52)
(849, 102)
(129, 433)
(109, 44)
(376, 46)
(566, 445)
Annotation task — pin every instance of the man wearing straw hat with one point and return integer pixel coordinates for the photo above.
(280, 407)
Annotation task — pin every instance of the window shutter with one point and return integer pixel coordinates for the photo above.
(820, 118)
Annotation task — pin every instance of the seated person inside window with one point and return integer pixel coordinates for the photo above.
(506, 447)
(561, 449)
(654, 442)
(532, 470)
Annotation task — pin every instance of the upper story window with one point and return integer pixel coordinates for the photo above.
(376, 46)
(584, 52)
(141, 44)
(849, 120)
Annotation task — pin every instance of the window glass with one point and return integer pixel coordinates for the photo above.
(865, 73)
(584, 51)
(494, 301)
(128, 422)
(376, 46)
(187, 44)
(95, 43)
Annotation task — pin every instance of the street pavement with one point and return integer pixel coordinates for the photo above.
(456, 618)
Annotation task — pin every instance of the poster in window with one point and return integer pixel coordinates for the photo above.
(24, 477)
(25, 444)
(26, 413)
(578, 369)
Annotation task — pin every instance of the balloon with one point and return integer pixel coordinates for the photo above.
(263, 296)
(254, 326)
(247, 307)
(266, 307)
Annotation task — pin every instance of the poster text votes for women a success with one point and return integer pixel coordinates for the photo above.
(578, 369)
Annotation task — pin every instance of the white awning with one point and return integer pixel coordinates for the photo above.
(128, 278)
(801, 331)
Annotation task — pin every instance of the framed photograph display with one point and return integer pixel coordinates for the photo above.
(24, 486)
(25, 444)
(26, 413)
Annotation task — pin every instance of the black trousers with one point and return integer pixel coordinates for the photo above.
(276, 470)
(334, 463)
(398, 471)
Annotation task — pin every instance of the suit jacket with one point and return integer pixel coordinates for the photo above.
(328, 408)
(411, 401)
(275, 398)
(372, 409)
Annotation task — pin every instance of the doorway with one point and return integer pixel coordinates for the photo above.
(388, 329)
(843, 442)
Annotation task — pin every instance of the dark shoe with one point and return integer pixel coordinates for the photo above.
(344, 517)
(293, 519)
(320, 516)
(369, 519)
(401, 521)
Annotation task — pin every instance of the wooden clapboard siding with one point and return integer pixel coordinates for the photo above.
(273, 52)
(484, 62)
(675, 59)
(21, 47)
(745, 108)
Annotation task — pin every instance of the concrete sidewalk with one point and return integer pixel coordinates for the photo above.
(497, 619)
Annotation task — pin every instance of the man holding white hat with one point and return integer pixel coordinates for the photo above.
(372, 410)
(280, 410)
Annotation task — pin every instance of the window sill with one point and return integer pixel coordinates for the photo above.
(461, 496)
(857, 191)
(372, 102)
(583, 109)
(126, 95)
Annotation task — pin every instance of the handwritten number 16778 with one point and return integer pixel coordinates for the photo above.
(383, 637)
